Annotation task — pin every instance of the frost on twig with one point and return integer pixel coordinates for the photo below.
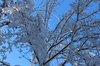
(75, 39)
(4, 63)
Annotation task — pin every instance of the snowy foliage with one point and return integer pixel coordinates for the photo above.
(75, 39)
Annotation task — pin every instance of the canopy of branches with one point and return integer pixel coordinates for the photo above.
(75, 39)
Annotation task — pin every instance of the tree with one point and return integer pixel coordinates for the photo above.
(75, 39)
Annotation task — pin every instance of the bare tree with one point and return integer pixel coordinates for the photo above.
(75, 39)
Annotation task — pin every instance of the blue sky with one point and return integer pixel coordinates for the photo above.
(13, 57)
(61, 9)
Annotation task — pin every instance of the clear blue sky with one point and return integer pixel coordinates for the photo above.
(14, 59)
(61, 9)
